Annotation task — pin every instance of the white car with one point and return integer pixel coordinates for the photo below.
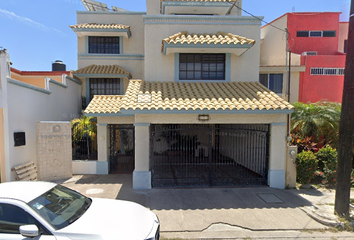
(48, 211)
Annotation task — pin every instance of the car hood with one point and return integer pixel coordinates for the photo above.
(113, 220)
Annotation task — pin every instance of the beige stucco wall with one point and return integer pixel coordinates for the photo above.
(273, 47)
(275, 59)
(342, 35)
(115, 120)
(294, 87)
(158, 29)
(131, 59)
(294, 79)
(2, 147)
(291, 167)
(214, 118)
(102, 142)
(153, 8)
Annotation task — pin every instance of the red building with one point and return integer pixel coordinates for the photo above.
(318, 41)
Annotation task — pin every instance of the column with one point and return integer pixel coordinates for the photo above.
(142, 173)
(102, 145)
(277, 155)
(291, 166)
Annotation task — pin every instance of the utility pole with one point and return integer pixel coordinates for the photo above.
(346, 131)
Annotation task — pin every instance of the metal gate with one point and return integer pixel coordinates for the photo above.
(209, 155)
(121, 148)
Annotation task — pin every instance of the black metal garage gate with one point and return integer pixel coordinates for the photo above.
(209, 155)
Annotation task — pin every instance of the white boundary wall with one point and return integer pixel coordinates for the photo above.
(24, 105)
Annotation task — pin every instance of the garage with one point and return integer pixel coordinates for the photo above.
(209, 155)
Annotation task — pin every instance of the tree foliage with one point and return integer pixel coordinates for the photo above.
(84, 129)
(317, 121)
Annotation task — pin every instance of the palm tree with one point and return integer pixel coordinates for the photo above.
(319, 121)
(84, 128)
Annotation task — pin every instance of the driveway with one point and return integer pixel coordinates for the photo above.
(203, 209)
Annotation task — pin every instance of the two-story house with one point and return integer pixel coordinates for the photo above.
(177, 97)
(317, 41)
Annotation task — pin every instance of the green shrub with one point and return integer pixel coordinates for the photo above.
(306, 166)
(327, 158)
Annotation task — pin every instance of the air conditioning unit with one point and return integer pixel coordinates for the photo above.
(309, 53)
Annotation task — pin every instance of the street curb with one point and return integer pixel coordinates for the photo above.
(317, 217)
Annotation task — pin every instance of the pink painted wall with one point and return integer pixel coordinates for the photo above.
(315, 88)
(326, 21)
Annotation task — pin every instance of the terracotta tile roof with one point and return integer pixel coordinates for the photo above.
(102, 26)
(190, 96)
(218, 38)
(102, 69)
(99, 26)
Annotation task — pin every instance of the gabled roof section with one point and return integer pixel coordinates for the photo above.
(103, 71)
(205, 96)
(182, 40)
(100, 28)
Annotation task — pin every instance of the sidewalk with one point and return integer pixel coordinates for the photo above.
(222, 213)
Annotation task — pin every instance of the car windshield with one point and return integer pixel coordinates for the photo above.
(60, 206)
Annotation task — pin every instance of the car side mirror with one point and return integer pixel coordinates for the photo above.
(29, 230)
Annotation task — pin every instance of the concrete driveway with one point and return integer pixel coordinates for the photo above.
(197, 210)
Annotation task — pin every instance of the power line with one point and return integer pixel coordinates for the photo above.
(283, 30)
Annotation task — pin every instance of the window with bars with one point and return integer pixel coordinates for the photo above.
(316, 33)
(200, 66)
(272, 81)
(104, 45)
(327, 71)
(104, 86)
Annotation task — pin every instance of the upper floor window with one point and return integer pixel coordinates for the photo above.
(272, 81)
(105, 45)
(201, 66)
(316, 33)
(104, 86)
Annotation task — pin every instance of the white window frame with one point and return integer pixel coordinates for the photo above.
(316, 32)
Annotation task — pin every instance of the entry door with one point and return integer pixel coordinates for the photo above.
(121, 148)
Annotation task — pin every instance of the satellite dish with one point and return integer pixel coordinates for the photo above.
(91, 5)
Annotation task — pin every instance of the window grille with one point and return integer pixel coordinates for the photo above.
(194, 66)
(105, 45)
(327, 71)
(316, 33)
(104, 86)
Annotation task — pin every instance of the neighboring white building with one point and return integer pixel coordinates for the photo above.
(177, 96)
(23, 104)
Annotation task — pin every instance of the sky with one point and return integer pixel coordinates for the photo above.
(37, 32)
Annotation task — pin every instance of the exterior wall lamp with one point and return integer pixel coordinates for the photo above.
(203, 117)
